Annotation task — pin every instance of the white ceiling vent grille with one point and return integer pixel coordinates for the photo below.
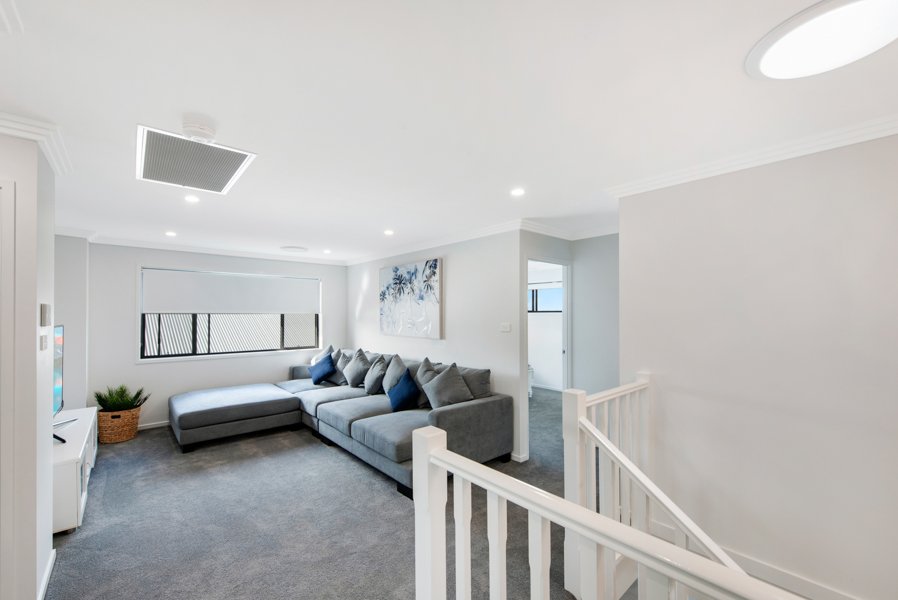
(173, 159)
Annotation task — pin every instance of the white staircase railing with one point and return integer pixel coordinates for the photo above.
(665, 569)
(612, 426)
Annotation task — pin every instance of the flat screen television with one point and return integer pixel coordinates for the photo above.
(57, 369)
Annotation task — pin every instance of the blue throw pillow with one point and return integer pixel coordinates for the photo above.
(404, 395)
(322, 369)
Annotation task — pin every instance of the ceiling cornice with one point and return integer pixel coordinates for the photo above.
(47, 136)
(412, 248)
(836, 138)
(10, 20)
(87, 234)
(108, 241)
(565, 234)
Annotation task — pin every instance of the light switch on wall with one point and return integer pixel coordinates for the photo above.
(504, 327)
(43, 342)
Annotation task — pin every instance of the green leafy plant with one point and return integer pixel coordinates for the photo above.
(120, 398)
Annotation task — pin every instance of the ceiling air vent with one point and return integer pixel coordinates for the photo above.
(174, 159)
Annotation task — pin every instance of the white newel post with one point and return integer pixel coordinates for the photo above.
(429, 485)
(573, 406)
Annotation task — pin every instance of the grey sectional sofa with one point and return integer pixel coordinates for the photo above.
(361, 423)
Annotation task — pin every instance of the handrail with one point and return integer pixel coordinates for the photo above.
(693, 570)
(613, 393)
(649, 487)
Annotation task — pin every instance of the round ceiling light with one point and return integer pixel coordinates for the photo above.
(192, 199)
(294, 249)
(826, 36)
(170, 233)
(388, 232)
(517, 192)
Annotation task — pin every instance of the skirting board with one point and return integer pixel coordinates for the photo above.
(520, 457)
(152, 425)
(769, 573)
(48, 570)
(546, 387)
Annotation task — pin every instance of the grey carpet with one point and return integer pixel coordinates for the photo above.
(275, 515)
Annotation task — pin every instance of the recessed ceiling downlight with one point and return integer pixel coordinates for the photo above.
(294, 249)
(826, 36)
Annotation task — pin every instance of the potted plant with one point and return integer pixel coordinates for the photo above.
(119, 413)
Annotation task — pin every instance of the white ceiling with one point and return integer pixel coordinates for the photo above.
(415, 116)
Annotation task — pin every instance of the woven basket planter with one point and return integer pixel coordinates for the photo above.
(117, 426)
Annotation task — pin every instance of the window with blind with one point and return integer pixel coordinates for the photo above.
(193, 313)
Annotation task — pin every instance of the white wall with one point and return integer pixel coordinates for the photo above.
(764, 302)
(595, 315)
(114, 326)
(70, 310)
(480, 287)
(544, 344)
(26, 477)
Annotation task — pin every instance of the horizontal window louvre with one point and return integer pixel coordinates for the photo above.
(167, 291)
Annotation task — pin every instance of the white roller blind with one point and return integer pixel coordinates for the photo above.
(546, 285)
(170, 291)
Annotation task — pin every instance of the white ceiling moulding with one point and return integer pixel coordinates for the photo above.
(47, 136)
(86, 234)
(836, 138)
(566, 234)
(10, 20)
(108, 241)
(411, 248)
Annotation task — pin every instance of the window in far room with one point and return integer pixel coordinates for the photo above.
(545, 299)
(194, 313)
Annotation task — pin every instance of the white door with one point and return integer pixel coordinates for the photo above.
(7, 386)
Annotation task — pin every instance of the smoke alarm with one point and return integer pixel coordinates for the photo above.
(190, 161)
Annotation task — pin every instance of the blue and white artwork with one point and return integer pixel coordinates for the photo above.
(410, 299)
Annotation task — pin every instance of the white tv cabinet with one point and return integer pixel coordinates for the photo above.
(72, 463)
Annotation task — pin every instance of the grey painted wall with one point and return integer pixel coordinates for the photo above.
(764, 302)
(70, 310)
(114, 326)
(595, 326)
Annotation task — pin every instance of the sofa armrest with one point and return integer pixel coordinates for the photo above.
(300, 372)
(480, 429)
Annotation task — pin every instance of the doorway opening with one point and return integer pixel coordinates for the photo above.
(548, 307)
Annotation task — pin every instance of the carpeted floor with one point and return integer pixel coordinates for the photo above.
(274, 515)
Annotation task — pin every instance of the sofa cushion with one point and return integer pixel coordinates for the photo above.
(322, 369)
(294, 386)
(394, 373)
(342, 359)
(200, 408)
(390, 435)
(374, 378)
(312, 399)
(447, 388)
(477, 380)
(356, 369)
(404, 395)
(322, 354)
(341, 415)
(426, 372)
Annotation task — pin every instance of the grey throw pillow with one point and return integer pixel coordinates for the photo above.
(426, 372)
(477, 380)
(340, 362)
(394, 373)
(447, 388)
(374, 379)
(322, 354)
(356, 369)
